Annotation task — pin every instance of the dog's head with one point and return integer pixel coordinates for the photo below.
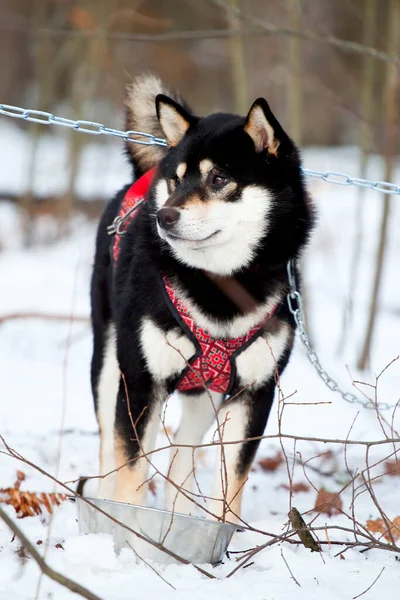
(223, 184)
(228, 187)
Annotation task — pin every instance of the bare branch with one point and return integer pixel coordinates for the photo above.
(44, 567)
(45, 317)
(255, 27)
(305, 34)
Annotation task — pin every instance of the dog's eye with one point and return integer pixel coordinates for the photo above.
(218, 178)
(174, 182)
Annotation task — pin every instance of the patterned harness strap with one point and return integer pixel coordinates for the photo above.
(213, 366)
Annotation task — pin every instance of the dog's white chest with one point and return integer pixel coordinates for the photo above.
(166, 353)
(257, 363)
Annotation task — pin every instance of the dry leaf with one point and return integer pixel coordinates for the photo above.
(20, 478)
(296, 487)
(29, 504)
(153, 487)
(392, 467)
(328, 455)
(328, 502)
(271, 463)
(379, 526)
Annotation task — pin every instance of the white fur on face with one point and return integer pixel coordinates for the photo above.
(161, 193)
(219, 236)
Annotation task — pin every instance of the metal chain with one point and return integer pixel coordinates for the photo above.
(295, 304)
(45, 118)
(293, 298)
(146, 139)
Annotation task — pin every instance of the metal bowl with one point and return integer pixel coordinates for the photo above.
(193, 539)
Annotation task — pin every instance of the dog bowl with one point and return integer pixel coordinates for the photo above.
(194, 539)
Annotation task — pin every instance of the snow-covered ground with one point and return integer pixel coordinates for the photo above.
(44, 388)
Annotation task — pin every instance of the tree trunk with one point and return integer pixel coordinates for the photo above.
(367, 106)
(391, 105)
(238, 64)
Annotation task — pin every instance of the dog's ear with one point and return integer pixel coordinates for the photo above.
(262, 127)
(174, 119)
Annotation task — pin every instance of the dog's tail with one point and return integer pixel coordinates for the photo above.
(141, 116)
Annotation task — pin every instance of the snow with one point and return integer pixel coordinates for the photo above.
(44, 387)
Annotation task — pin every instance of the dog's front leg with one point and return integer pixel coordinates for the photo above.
(137, 422)
(198, 413)
(243, 418)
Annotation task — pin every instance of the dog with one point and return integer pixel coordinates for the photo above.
(191, 296)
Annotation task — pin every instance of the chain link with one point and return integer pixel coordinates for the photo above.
(90, 127)
(293, 298)
(343, 179)
(296, 308)
(146, 139)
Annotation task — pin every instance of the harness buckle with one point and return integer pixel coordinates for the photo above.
(115, 227)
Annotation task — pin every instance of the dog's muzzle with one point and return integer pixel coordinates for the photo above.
(167, 217)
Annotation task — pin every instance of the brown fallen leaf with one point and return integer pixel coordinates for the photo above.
(327, 455)
(392, 467)
(153, 487)
(29, 504)
(296, 487)
(379, 526)
(20, 478)
(300, 526)
(328, 503)
(271, 463)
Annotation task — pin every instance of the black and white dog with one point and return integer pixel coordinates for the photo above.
(192, 298)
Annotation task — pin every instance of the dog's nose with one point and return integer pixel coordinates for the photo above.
(167, 217)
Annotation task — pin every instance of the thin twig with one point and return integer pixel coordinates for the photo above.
(44, 317)
(368, 588)
(289, 569)
(149, 565)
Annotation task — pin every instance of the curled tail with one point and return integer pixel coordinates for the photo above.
(141, 116)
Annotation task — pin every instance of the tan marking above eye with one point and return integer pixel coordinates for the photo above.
(181, 170)
(192, 200)
(205, 167)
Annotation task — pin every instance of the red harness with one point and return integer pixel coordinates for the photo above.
(132, 199)
(212, 363)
